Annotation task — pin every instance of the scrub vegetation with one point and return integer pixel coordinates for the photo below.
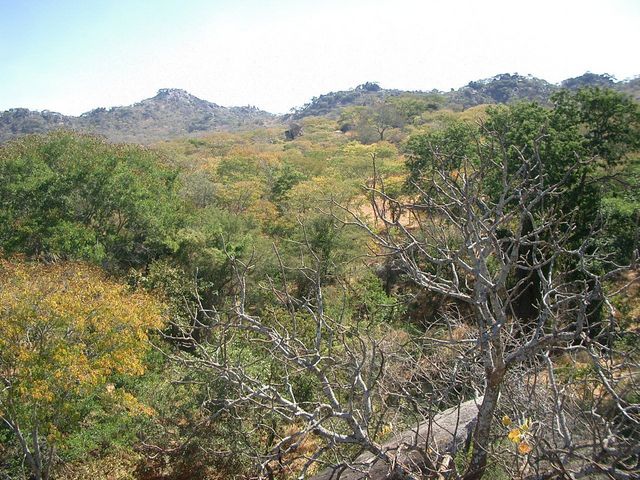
(295, 296)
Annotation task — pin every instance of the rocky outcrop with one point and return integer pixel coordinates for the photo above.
(427, 446)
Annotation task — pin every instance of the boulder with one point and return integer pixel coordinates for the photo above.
(427, 446)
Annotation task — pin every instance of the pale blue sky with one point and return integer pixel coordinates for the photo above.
(71, 56)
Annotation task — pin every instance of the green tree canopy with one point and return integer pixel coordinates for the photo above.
(77, 196)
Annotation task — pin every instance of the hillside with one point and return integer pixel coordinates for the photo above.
(329, 103)
(502, 88)
(175, 113)
(171, 113)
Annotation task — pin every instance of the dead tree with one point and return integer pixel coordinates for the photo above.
(303, 340)
(481, 250)
(363, 415)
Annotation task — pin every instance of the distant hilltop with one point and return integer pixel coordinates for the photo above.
(173, 112)
(502, 88)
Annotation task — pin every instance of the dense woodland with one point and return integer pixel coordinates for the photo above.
(277, 300)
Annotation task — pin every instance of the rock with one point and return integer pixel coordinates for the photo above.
(442, 437)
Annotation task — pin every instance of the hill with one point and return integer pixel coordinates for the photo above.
(502, 88)
(171, 113)
(175, 113)
(330, 103)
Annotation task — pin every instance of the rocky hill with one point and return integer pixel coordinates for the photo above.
(20, 121)
(174, 113)
(171, 113)
(329, 103)
(502, 88)
(366, 94)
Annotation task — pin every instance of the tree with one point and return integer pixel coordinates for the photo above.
(491, 211)
(286, 178)
(412, 106)
(66, 195)
(481, 234)
(66, 334)
(468, 248)
(455, 142)
(373, 121)
(298, 369)
(385, 116)
(612, 121)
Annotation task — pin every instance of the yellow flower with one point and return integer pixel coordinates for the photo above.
(514, 435)
(524, 448)
(506, 421)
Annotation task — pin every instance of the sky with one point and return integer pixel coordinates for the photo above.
(73, 56)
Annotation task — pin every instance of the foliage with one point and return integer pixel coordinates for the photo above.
(67, 334)
(453, 144)
(583, 133)
(65, 195)
(249, 239)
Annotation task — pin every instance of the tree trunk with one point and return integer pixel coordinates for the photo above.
(482, 430)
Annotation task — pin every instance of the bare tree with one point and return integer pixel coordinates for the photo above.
(377, 397)
(483, 251)
(480, 252)
(304, 340)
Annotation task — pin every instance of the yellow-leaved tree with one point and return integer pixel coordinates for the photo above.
(65, 331)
